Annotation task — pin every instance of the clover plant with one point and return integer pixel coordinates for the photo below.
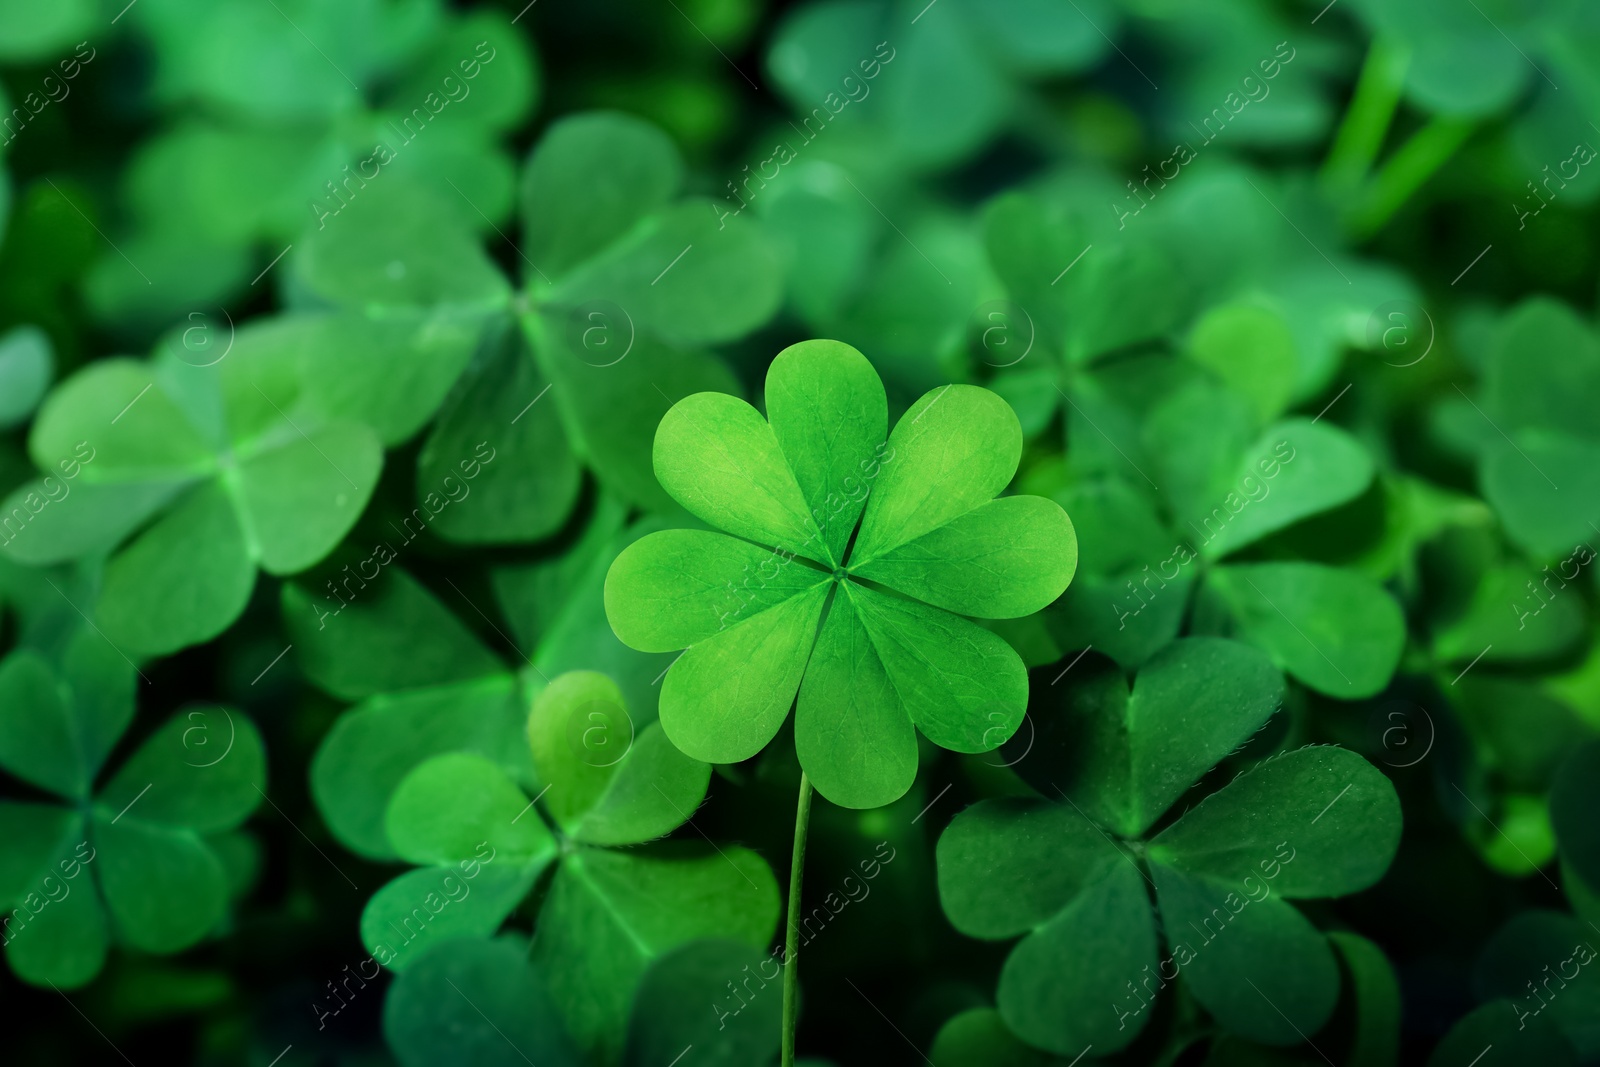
(191, 483)
(608, 911)
(427, 685)
(274, 135)
(612, 317)
(1075, 877)
(130, 859)
(863, 623)
(1052, 482)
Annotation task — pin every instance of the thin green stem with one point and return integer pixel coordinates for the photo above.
(1366, 120)
(1406, 171)
(791, 945)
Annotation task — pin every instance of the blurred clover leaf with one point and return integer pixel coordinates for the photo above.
(192, 478)
(1231, 475)
(1539, 461)
(302, 110)
(38, 32)
(948, 81)
(128, 861)
(866, 624)
(978, 1038)
(476, 1001)
(27, 364)
(1500, 1038)
(1573, 796)
(1121, 541)
(1484, 593)
(625, 284)
(1087, 277)
(487, 1003)
(1373, 1011)
(1465, 67)
(900, 288)
(1336, 630)
(1310, 823)
(1242, 55)
(1490, 614)
(1130, 292)
(1532, 948)
(427, 684)
(607, 914)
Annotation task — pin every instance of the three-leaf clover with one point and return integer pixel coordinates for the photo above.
(1231, 475)
(607, 913)
(128, 860)
(978, 1037)
(191, 478)
(625, 283)
(1076, 878)
(865, 623)
(1257, 308)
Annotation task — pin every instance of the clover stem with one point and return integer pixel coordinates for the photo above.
(1406, 172)
(1366, 121)
(791, 946)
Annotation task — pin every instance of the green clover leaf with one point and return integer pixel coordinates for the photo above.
(1229, 486)
(145, 832)
(1538, 471)
(191, 478)
(426, 684)
(1314, 822)
(1572, 799)
(479, 1002)
(946, 83)
(486, 1003)
(869, 632)
(904, 297)
(1336, 630)
(1489, 595)
(607, 914)
(26, 367)
(35, 33)
(612, 322)
(978, 1037)
(1513, 964)
(288, 134)
(1462, 66)
(1500, 1038)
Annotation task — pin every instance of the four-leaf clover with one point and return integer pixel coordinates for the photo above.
(864, 622)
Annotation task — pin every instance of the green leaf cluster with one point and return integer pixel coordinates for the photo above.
(134, 858)
(1076, 878)
(608, 911)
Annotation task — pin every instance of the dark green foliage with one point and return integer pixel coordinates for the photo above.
(1135, 462)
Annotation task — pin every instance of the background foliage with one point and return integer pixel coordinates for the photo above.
(334, 339)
